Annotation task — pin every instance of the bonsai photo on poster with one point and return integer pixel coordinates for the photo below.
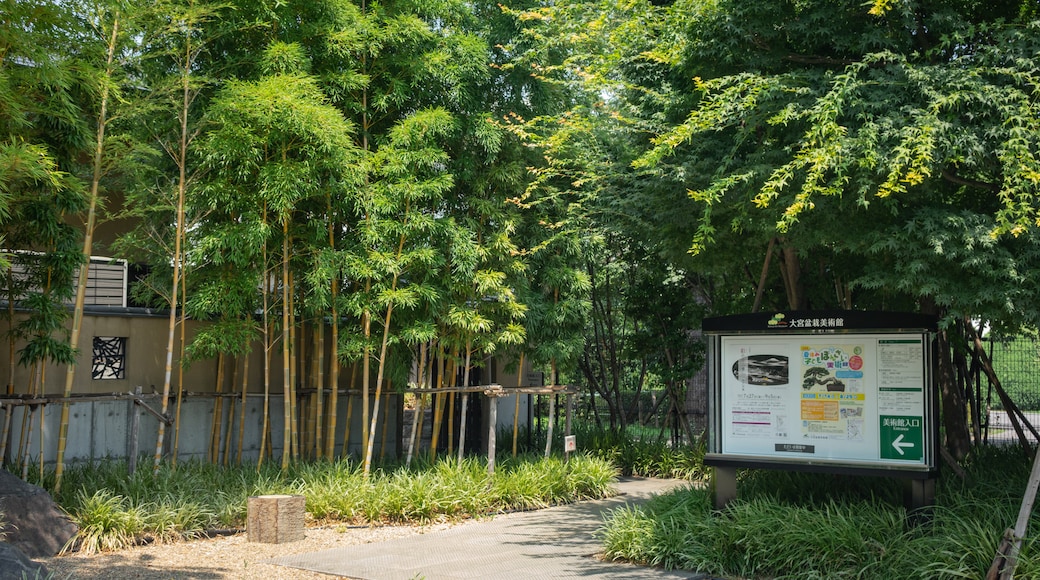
(762, 370)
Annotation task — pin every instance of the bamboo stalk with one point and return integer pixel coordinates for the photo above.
(366, 326)
(242, 409)
(227, 434)
(286, 360)
(294, 349)
(438, 403)
(88, 240)
(319, 348)
(330, 442)
(11, 360)
(265, 321)
(453, 365)
(350, 413)
(180, 375)
(37, 370)
(218, 414)
(182, 186)
(43, 417)
(334, 368)
(386, 422)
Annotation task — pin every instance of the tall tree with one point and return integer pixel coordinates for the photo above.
(875, 142)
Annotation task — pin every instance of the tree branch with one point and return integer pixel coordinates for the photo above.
(954, 178)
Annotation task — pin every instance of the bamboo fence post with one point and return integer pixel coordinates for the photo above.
(465, 403)
(229, 436)
(492, 432)
(418, 404)
(428, 382)
(438, 402)
(462, 425)
(8, 410)
(43, 419)
(516, 406)
(549, 428)
(135, 428)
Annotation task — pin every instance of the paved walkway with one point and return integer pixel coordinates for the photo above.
(553, 543)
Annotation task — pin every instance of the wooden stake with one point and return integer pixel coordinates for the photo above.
(1004, 563)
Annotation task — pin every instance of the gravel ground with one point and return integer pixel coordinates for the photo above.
(221, 557)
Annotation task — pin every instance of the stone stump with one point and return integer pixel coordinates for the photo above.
(275, 519)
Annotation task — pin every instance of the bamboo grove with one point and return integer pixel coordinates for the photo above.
(330, 182)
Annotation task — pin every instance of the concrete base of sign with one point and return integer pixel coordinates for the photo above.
(724, 486)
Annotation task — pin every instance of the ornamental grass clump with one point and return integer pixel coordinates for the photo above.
(115, 510)
(799, 525)
(106, 522)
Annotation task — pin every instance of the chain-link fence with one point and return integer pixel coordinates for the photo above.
(1017, 364)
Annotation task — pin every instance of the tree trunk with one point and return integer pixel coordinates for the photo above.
(958, 440)
(791, 271)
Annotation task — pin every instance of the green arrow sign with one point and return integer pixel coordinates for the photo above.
(901, 437)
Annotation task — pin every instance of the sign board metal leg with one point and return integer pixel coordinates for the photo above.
(724, 486)
(919, 498)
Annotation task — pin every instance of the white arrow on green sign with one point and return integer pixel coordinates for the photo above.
(901, 437)
(899, 444)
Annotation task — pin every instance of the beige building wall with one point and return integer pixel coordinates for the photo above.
(145, 358)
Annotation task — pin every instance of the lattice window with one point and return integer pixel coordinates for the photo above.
(109, 358)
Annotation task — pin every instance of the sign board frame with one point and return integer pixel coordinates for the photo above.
(837, 391)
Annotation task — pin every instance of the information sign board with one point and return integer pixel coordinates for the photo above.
(834, 391)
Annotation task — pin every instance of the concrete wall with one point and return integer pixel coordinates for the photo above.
(104, 429)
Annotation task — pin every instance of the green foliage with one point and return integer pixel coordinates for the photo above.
(891, 140)
(796, 525)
